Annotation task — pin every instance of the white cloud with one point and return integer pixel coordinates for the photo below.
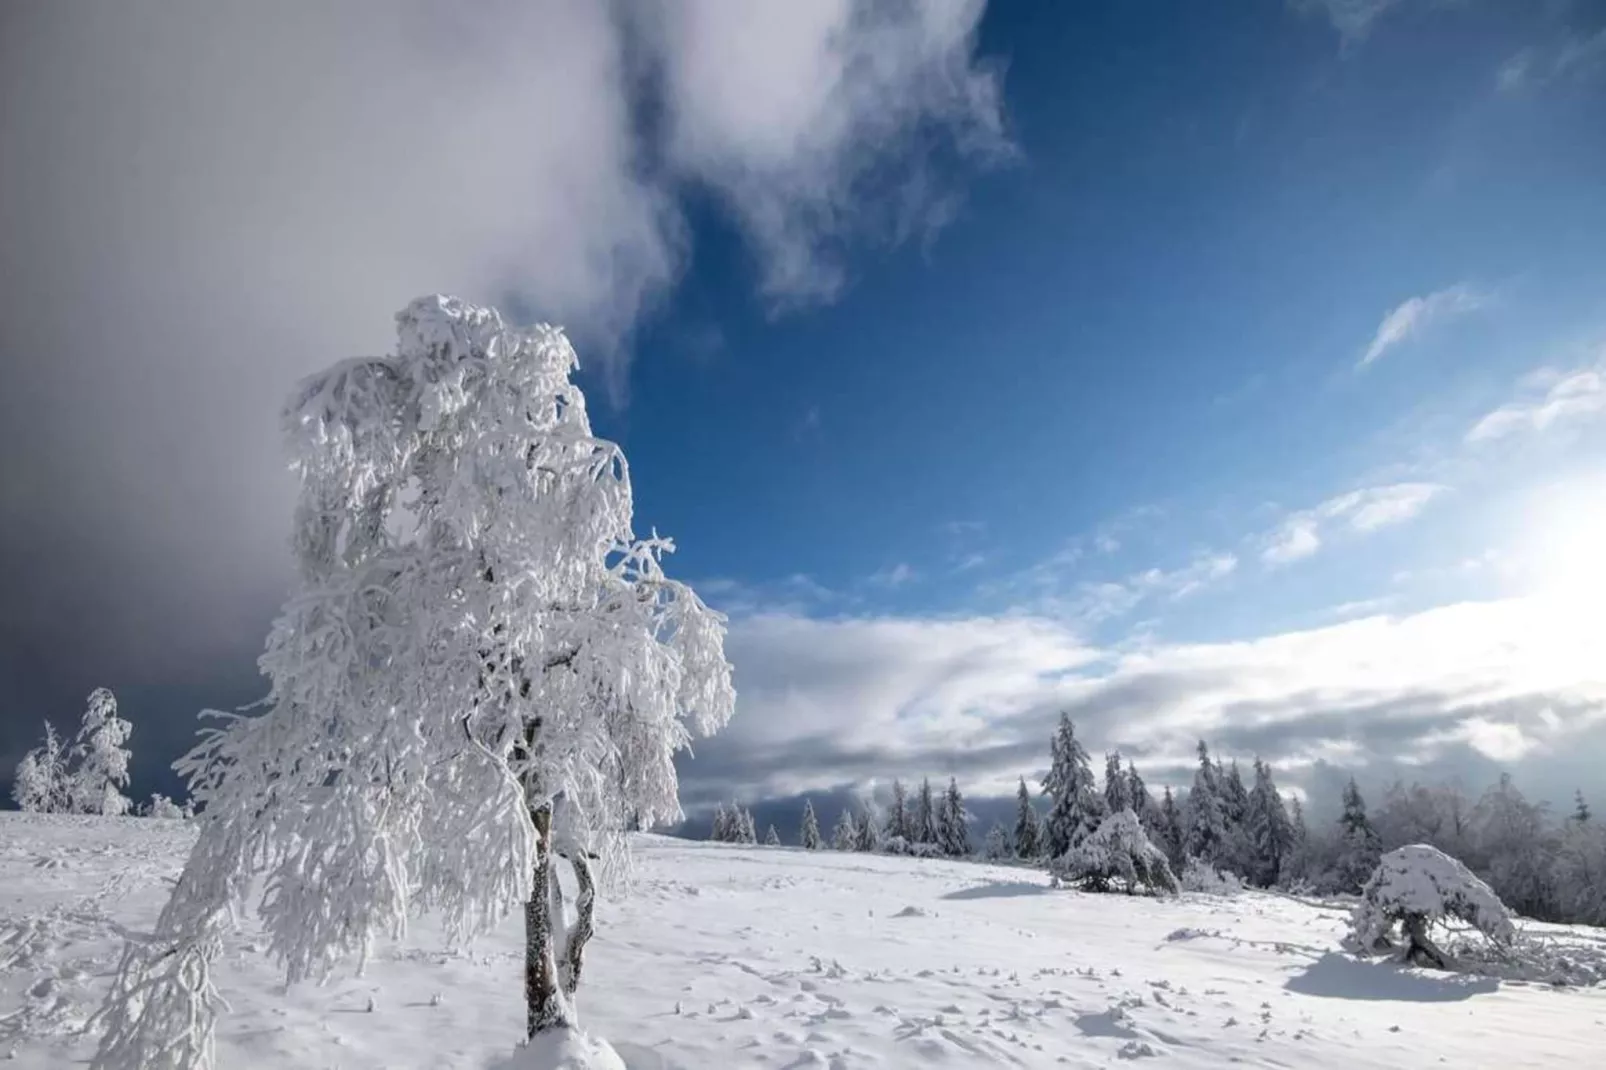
(827, 703)
(1294, 540)
(1567, 398)
(789, 111)
(1414, 314)
(1361, 512)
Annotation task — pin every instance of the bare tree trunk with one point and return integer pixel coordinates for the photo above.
(546, 1005)
(584, 922)
(1419, 948)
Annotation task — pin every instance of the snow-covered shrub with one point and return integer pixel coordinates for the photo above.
(1200, 876)
(897, 845)
(163, 807)
(1117, 852)
(1416, 887)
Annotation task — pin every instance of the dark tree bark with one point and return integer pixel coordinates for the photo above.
(546, 1004)
(1419, 948)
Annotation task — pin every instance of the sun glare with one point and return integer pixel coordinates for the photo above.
(1567, 549)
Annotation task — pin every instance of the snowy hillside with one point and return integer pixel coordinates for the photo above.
(729, 957)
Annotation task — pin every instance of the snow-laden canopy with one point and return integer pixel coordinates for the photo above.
(1117, 850)
(1417, 886)
(479, 648)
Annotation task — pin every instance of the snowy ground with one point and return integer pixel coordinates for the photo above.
(729, 957)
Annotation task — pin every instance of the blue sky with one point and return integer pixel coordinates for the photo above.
(1205, 369)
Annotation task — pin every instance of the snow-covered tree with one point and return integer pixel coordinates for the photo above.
(1297, 866)
(1143, 803)
(1118, 850)
(897, 826)
(1077, 808)
(772, 838)
(924, 824)
(1579, 872)
(1028, 833)
(1117, 788)
(1170, 839)
(42, 783)
(1204, 831)
(721, 830)
(100, 770)
(748, 830)
(1269, 833)
(1359, 847)
(1515, 849)
(1581, 812)
(998, 846)
(953, 823)
(867, 834)
(845, 836)
(1416, 887)
(809, 833)
(163, 808)
(482, 670)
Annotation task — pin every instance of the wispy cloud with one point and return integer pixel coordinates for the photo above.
(1566, 398)
(1352, 19)
(1575, 56)
(1092, 602)
(895, 575)
(1301, 534)
(1413, 315)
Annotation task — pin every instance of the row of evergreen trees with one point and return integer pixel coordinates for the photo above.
(1247, 828)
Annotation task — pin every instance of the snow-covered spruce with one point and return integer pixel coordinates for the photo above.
(845, 836)
(1415, 888)
(809, 832)
(1078, 806)
(1117, 854)
(481, 670)
(101, 760)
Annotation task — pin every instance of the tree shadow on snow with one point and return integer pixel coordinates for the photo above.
(1337, 976)
(999, 890)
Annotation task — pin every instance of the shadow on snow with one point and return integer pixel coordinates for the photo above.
(999, 890)
(1337, 976)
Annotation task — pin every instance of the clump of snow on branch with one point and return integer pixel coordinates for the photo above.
(477, 635)
(1117, 851)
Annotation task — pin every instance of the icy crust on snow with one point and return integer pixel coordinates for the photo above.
(1424, 881)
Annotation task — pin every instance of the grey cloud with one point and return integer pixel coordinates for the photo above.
(203, 200)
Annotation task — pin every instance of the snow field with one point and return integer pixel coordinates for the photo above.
(731, 957)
